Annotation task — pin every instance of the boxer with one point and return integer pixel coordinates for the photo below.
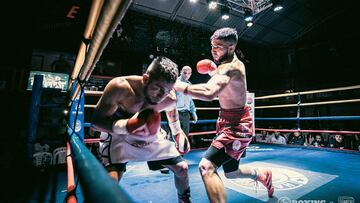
(128, 117)
(234, 128)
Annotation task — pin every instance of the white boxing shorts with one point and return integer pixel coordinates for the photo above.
(116, 149)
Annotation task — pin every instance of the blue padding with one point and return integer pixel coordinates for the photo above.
(96, 184)
(312, 118)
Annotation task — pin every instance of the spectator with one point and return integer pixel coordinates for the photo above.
(296, 139)
(338, 142)
(185, 105)
(318, 141)
(262, 137)
(357, 142)
(276, 138)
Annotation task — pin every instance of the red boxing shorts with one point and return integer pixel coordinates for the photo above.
(234, 130)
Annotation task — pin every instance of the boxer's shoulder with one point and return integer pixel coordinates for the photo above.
(117, 83)
(231, 68)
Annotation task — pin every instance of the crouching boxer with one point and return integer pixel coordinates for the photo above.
(234, 126)
(128, 116)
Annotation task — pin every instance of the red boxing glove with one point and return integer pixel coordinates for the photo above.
(145, 124)
(205, 66)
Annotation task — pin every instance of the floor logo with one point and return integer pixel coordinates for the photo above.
(345, 199)
(284, 200)
(283, 179)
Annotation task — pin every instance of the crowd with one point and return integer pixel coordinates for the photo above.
(335, 140)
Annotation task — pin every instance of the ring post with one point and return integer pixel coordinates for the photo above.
(96, 184)
(298, 112)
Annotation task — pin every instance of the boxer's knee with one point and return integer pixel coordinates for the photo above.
(181, 169)
(206, 167)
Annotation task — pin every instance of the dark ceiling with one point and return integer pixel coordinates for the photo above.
(270, 28)
(305, 34)
(51, 25)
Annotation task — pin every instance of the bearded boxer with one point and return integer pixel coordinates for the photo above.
(128, 116)
(234, 127)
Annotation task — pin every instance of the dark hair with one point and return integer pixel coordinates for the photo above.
(227, 34)
(162, 68)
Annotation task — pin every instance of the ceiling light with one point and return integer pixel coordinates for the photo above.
(248, 15)
(225, 17)
(278, 8)
(277, 5)
(225, 12)
(212, 5)
(249, 24)
(193, 1)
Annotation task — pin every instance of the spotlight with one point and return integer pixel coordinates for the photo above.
(212, 4)
(276, 5)
(248, 15)
(225, 12)
(249, 23)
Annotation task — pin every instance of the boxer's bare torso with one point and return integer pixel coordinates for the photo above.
(127, 94)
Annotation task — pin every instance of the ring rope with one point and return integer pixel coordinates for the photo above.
(99, 93)
(279, 118)
(207, 108)
(311, 131)
(93, 93)
(271, 106)
(89, 105)
(96, 140)
(309, 92)
(309, 104)
(312, 118)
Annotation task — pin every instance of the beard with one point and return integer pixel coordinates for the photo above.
(147, 97)
(222, 58)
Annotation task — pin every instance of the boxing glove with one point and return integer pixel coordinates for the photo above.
(182, 143)
(146, 123)
(206, 66)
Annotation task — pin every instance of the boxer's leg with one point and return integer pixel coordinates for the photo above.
(181, 179)
(116, 171)
(208, 165)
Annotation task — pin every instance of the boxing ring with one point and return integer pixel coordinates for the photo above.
(296, 176)
(299, 173)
